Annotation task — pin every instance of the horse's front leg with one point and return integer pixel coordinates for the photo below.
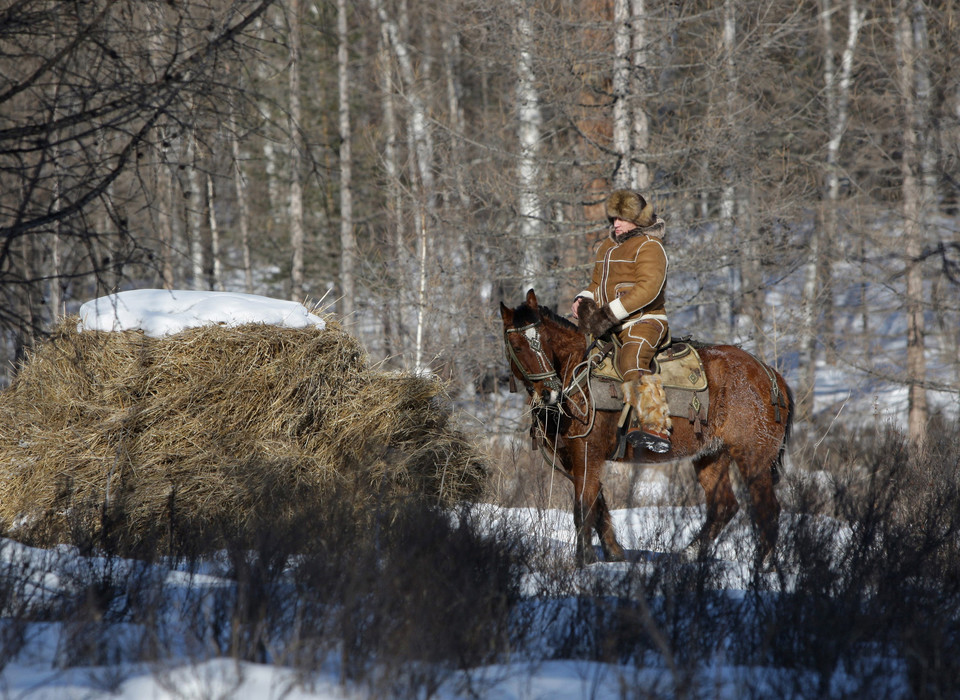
(589, 506)
(585, 490)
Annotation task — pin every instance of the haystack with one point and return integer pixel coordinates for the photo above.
(214, 430)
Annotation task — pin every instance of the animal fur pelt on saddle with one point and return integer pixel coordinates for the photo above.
(595, 320)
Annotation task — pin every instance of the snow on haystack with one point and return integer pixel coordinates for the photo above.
(160, 415)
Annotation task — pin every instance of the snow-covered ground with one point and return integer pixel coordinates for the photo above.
(41, 668)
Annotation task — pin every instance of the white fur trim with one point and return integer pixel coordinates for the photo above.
(645, 317)
(618, 309)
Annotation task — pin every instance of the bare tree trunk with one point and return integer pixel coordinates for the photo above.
(639, 172)
(818, 268)
(393, 317)
(56, 288)
(451, 55)
(622, 123)
(348, 243)
(217, 281)
(421, 148)
(194, 204)
(419, 123)
(728, 197)
(297, 289)
(271, 165)
(909, 33)
(166, 212)
(528, 173)
(165, 219)
(240, 187)
(837, 93)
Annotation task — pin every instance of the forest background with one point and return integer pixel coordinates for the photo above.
(411, 164)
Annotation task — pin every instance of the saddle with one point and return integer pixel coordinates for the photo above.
(678, 364)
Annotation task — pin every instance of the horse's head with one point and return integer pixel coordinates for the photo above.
(532, 359)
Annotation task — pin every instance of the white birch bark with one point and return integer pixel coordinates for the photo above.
(56, 288)
(194, 204)
(419, 124)
(348, 243)
(152, 17)
(639, 172)
(217, 281)
(421, 146)
(818, 268)
(295, 206)
(837, 91)
(393, 318)
(271, 160)
(529, 120)
(240, 188)
(622, 123)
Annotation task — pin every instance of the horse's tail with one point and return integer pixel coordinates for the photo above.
(776, 468)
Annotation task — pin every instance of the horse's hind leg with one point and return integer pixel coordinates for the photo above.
(713, 473)
(764, 510)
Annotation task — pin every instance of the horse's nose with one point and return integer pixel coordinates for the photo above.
(550, 396)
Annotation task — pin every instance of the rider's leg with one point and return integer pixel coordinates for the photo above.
(642, 389)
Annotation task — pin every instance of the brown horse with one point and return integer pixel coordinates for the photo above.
(750, 414)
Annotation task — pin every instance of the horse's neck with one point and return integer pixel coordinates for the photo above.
(567, 344)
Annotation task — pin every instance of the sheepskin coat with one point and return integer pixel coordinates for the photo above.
(630, 274)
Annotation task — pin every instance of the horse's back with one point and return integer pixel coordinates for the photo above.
(745, 389)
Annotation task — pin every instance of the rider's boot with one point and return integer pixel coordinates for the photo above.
(649, 400)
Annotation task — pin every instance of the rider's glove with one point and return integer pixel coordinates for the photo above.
(595, 320)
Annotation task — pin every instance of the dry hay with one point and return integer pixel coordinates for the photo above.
(214, 430)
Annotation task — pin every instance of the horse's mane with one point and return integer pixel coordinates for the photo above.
(523, 315)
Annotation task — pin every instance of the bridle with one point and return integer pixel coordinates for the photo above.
(545, 371)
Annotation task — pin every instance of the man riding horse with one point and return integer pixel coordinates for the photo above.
(626, 297)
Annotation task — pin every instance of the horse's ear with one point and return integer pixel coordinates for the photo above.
(506, 313)
(531, 299)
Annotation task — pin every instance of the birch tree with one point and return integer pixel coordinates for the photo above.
(243, 205)
(639, 172)
(348, 245)
(421, 148)
(193, 202)
(395, 236)
(622, 122)
(295, 202)
(529, 120)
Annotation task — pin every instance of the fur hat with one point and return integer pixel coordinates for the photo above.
(630, 206)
